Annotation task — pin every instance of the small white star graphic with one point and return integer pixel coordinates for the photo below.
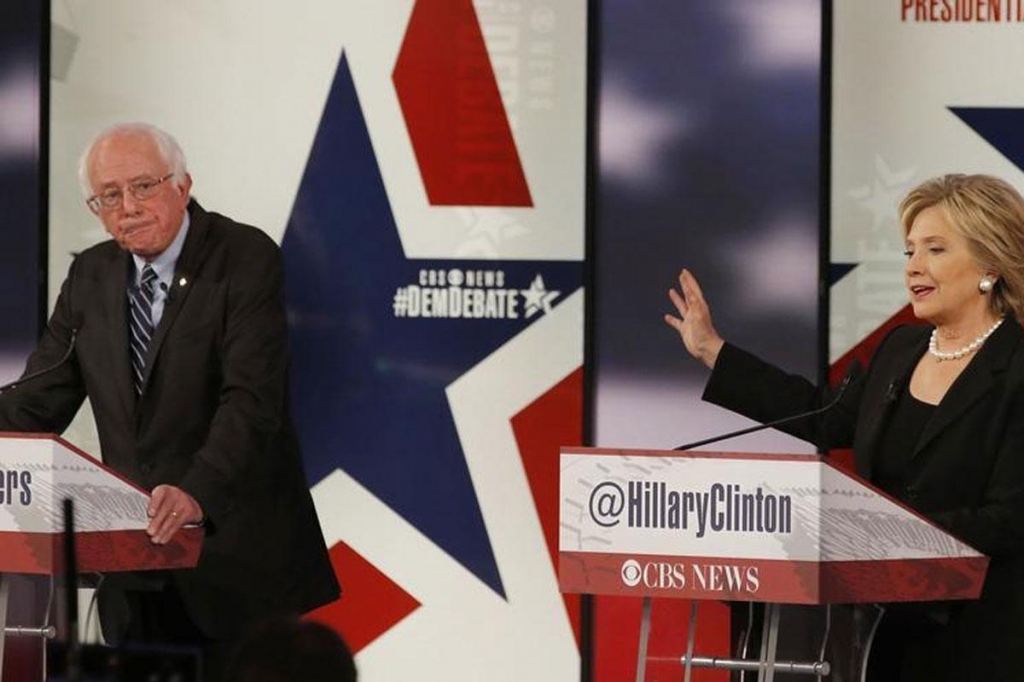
(488, 233)
(883, 196)
(538, 298)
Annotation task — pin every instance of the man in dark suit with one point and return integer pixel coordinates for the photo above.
(180, 346)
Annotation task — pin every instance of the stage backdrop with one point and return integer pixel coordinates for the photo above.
(422, 164)
(919, 90)
(708, 128)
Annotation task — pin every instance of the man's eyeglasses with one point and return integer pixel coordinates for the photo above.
(112, 198)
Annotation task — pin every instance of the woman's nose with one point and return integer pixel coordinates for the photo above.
(913, 263)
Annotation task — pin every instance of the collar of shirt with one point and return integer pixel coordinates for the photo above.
(165, 262)
(164, 267)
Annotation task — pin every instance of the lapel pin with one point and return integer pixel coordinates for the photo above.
(182, 282)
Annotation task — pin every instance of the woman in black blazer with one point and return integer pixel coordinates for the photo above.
(937, 421)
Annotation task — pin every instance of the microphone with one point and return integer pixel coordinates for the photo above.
(851, 372)
(72, 338)
(169, 292)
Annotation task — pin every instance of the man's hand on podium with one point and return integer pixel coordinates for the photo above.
(170, 508)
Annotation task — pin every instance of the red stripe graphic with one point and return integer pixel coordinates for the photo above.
(552, 420)
(453, 110)
(371, 604)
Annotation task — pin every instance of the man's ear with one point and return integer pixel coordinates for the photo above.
(186, 185)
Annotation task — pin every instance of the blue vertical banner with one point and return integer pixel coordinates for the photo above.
(709, 144)
(22, 26)
(21, 40)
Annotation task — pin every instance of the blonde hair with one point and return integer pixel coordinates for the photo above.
(989, 214)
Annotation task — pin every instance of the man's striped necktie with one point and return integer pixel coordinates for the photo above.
(140, 323)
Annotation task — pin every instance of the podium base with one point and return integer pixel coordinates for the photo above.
(847, 662)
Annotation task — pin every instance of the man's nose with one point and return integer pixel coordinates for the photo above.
(129, 204)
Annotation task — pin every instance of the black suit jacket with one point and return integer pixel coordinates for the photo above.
(212, 417)
(967, 472)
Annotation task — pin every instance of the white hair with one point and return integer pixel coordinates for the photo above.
(167, 146)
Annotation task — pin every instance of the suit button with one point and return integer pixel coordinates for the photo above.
(145, 468)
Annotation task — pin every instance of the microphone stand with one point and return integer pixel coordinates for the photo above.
(847, 380)
(46, 370)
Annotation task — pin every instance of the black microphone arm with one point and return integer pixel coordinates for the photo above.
(46, 370)
(851, 372)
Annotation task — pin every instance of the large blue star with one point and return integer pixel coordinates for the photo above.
(368, 388)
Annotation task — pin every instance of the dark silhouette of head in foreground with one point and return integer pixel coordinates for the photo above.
(292, 650)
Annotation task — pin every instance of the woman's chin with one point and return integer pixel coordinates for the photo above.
(922, 312)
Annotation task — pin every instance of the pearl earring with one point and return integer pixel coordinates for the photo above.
(986, 284)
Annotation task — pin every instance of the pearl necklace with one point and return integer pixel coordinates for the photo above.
(939, 355)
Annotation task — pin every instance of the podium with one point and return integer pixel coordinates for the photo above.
(39, 471)
(776, 529)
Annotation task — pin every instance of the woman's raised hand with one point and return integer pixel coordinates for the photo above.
(694, 321)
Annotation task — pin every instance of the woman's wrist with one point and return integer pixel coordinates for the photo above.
(709, 354)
